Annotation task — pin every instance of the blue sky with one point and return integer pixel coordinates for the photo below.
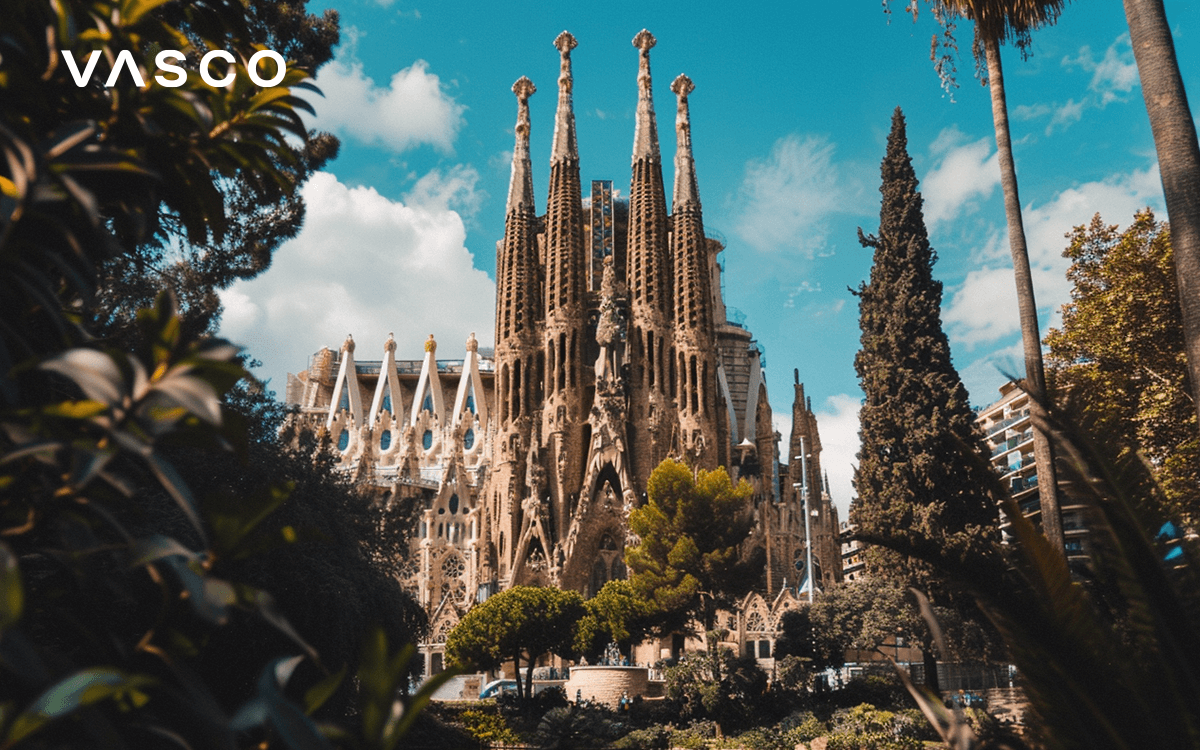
(790, 116)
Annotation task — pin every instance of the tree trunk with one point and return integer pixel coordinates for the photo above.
(1178, 159)
(929, 658)
(1035, 376)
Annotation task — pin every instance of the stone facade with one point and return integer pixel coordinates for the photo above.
(613, 352)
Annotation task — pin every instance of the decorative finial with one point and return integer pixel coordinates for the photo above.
(682, 86)
(430, 344)
(348, 345)
(565, 146)
(472, 344)
(523, 88)
(645, 137)
(565, 43)
(390, 344)
(644, 40)
(520, 186)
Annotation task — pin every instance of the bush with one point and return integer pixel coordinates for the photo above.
(865, 727)
(651, 738)
(488, 726)
(576, 727)
(876, 689)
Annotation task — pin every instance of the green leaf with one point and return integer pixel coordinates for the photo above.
(316, 695)
(12, 594)
(156, 547)
(94, 372)
(81, 689)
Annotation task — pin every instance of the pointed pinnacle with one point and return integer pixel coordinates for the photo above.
(520, 186)
(564, 144)
(645, 137)
(686, 190)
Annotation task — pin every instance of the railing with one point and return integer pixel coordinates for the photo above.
(1006, 423)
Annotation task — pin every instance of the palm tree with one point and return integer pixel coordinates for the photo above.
(997, 21)
(1178, 159)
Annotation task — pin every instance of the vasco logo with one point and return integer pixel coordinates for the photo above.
(163, 61)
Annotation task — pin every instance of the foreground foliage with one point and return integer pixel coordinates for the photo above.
(1119, 357)
(144, 529)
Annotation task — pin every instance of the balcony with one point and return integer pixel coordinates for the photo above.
(1012, 443)
(1004, 424)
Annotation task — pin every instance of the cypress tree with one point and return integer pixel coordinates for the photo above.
(923, 482)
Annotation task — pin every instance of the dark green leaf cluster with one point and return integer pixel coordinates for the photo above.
(689, 560)
(616, 614)
(160, 560)
(1119, 358)
(922, 477)
(519, 624)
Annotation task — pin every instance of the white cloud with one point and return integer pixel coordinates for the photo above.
(454, 190)
(412, 110)
(1114, 74)
(984, 307)
(837, 423)
(984, 376)
(1066, 115)
(366, 265)
(964, 173)
(786, 198)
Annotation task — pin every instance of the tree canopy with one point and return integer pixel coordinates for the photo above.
(923, 482)
(689, 561)
(519, 624)
(1119, 356)
(616, 614)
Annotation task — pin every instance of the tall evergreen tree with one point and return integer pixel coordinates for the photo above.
(923, 481)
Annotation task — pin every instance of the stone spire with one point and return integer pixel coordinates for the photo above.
(516, 255)
(559, 379)
(564, 246)
(645, 134)
(695, 366)
(565, 146)
(689, 249)
(686, 191)
(520, 186)
(648, 275)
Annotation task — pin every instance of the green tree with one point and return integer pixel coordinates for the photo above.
(1178, 159)
(262, 211)
(922, 480)
(718, 685)
(998, 21)
(520, 624)
(689, 560)
(616, 614)
(1120, 356)
(121, 575)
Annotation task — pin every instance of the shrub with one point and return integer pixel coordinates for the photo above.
(487, 726)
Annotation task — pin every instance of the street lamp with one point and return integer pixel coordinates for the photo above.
(803, 487)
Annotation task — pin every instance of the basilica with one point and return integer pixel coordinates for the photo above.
(613, 351)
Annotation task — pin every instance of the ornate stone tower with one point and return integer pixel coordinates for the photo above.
(822, 527)
(692, 365)
(565, 310)
(518, 317)
(648, 276)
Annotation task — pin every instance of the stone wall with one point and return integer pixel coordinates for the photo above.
(607, 684)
